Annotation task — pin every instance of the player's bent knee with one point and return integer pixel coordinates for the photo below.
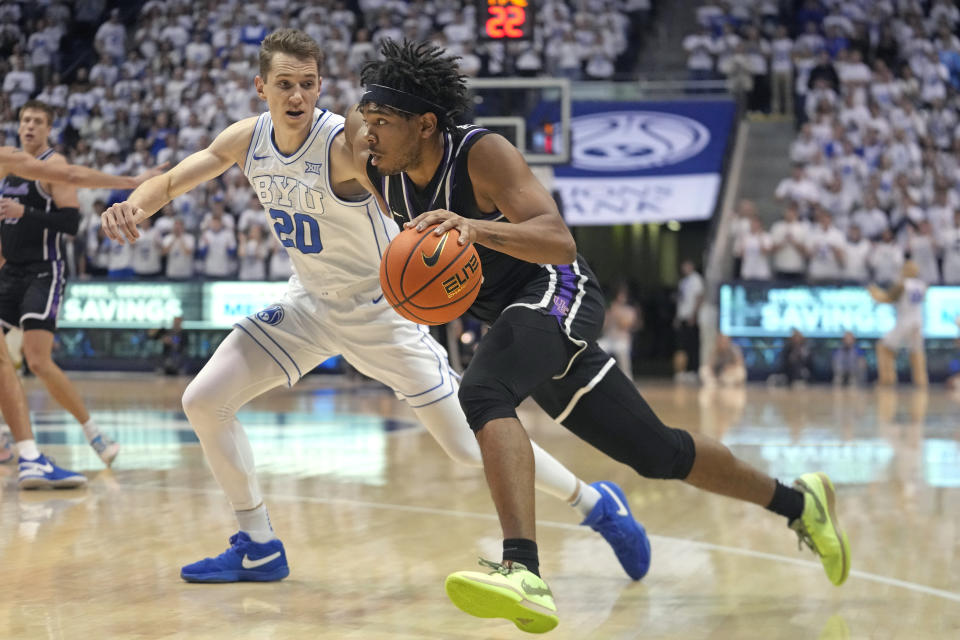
(485, 399)
(199, 404)
(671, 459)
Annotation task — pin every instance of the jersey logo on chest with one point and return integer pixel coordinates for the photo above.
(288, 193)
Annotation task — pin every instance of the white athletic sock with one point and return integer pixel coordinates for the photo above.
(256, 523)
(28, 449)
(551, 476)
(90, 429)
(587, 498)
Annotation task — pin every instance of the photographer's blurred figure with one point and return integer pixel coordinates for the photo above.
(686, 360)
(796, 361)
(849, 363)
(621, 320)
(908, 295)
(174, 347)
(726, 367)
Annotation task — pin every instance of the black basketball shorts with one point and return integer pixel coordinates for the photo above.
(31, 294)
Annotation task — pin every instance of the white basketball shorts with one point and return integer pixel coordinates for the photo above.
(301, 330)
(904, 336)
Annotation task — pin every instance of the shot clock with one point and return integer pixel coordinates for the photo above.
(506, 20)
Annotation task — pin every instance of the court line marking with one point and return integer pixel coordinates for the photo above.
(708, 546)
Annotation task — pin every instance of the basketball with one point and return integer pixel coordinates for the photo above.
(430, 279)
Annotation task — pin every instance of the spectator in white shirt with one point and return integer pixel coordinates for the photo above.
(42, 47)
(782, 72)
(178, 247)
(147, 251)
(690, 290)
(120, 262)
(217, 248)
(923, 251)
(805, 148)
(111, 37)
(199, 50)
(279, 267)
(870, 218)
(252, 252)
(565, 56)
(821, 97)
(800, 189)
(19, 84)
(855, 256)
(886, 259)
(190, 136)
(788, 239)
(825, 244)
(699, 48)
(940, 212)
(105, 69)
(752, 249)
(948, 241)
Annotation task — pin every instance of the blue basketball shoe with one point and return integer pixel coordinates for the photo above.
(43, 474)
(244, 561)
(612, 519)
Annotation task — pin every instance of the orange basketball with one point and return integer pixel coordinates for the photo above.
(430, 279)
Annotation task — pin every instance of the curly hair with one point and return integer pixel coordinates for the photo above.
(425, 70)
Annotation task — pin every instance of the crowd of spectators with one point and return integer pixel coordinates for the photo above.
(876, 167)
(165, 76)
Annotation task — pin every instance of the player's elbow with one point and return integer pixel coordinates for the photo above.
(568, 250)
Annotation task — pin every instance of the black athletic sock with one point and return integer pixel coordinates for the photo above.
(787, 501)
(523, 551)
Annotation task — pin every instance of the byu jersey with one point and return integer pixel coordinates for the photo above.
(910, 303)
(333, 244)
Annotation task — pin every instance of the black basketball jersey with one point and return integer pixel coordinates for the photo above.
(25, 240)
(451, 188)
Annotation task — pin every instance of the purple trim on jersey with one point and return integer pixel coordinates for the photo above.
(57, 282)
(52, 246)
(564, 293)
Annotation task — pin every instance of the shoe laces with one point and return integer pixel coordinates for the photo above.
(803, 536)
(502, 569)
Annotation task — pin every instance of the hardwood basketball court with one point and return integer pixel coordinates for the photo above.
(374, 516)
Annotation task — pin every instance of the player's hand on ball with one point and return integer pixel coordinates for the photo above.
(445, 220)
(119, 222)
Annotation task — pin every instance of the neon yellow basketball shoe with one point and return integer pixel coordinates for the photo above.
(510, 592)
(819, 528)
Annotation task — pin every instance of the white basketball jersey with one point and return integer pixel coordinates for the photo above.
(910, 303)
(333, 244)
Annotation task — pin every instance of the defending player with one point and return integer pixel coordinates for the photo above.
(301, 165)
(35, 217)
(546, 311)
(908, 294)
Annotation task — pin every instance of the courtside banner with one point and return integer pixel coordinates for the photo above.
(154, 304)
(765, 310)
(644, 161)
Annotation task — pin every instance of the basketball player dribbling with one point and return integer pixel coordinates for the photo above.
(303, 169)
(24, 172)
(539, 297)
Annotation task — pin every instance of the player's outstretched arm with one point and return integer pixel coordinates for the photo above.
(26, 166)
(119, 222)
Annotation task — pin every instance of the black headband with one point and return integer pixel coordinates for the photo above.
(401, 100)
